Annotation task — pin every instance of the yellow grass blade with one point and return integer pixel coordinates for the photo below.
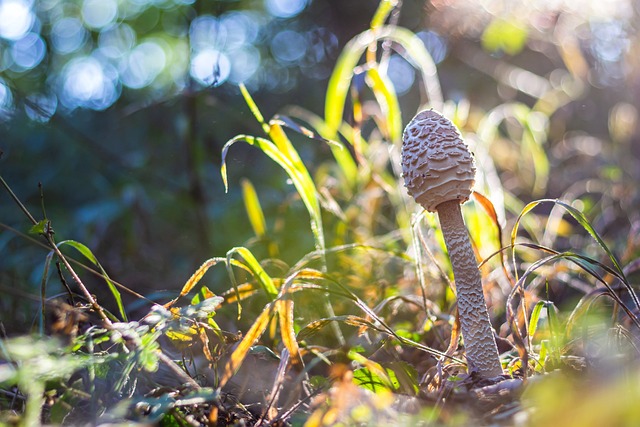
(194, 279)
(287, 332)
(241, 351)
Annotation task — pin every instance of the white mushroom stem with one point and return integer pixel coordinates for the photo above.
(479, 341)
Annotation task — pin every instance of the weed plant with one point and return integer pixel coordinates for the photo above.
(360, 327)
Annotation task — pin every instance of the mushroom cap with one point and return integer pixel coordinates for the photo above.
(436, 164)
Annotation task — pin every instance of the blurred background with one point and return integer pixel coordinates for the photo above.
(120, 109)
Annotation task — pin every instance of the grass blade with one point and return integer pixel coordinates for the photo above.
(388, 100)
(240, 353)
(296, 171)
(584, 222)
(287, 331)
(43, 292)
(254, 209)
(531, 145)
(535, 318)
(343, 72)
(255, 268)
(194, 279)
(385, 7)
(253, 107)
(86, 252)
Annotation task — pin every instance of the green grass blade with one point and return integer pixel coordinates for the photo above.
(385, 7)
(534, 319)
(276, 133)
(256, 269)
(554, 331)
(342, 76)
(274, 130)
(341, 154)
(514, 230)
(583, 262)
(532, 142)
(296, 171)
(418, 55)
(253, 207)
(533, 138)
(253, 107)
(584, 222)
(388, 100)
(86, 252)
(43, 292)
(343, 72)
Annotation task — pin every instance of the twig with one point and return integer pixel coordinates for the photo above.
(107, 323)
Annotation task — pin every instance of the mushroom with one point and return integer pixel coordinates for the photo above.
(439, 172)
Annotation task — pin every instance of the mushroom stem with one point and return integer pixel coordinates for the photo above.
(479, 341)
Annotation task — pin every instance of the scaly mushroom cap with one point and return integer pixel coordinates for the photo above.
(436, 164)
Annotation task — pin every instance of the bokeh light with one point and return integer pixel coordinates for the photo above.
(210, 67)
(6, 101)
(435, 44)
(242, 28)
(68, 35)
(285, 8)
(88, 83)
(40, 107)
(156, 46)
(244, 63)
(99, 13)
(206, 32)
(288, 46)
(29, 51)
(16, 19)
(401, 74)
(115, 41)
(142, 65)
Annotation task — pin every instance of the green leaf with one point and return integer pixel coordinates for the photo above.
(86, 252)
(372, 374)
(40, 227)
(364, 377)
